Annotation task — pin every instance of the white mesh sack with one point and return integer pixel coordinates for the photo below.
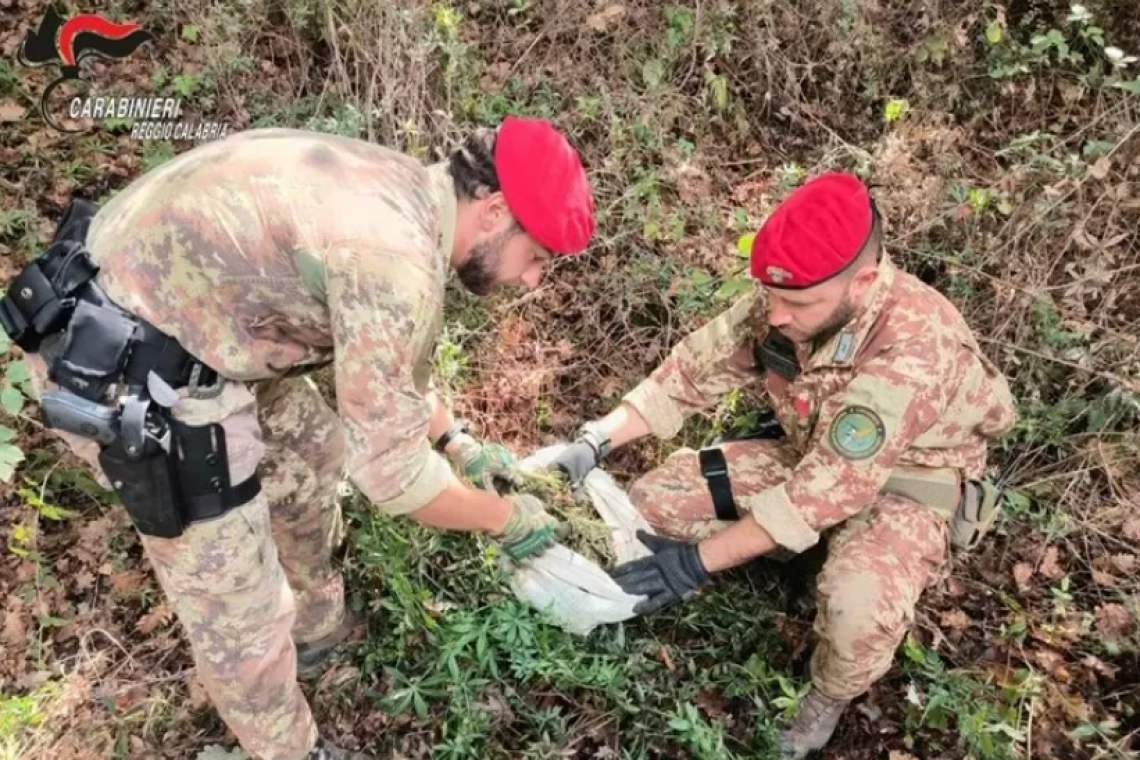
(576, 593)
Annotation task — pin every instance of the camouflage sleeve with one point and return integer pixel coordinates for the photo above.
(858, 439)
(381, 307)
(700, 369)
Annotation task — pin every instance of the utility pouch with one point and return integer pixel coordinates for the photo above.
(976, 515)
(94, 349)
(148, 487)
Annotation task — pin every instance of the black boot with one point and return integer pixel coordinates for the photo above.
(311, 655)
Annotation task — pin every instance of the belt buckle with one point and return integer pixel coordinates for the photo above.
(197, 391)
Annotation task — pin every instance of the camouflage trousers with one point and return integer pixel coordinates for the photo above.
(247, 585)
(879, 562)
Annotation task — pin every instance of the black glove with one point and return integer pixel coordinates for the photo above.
(674, 572)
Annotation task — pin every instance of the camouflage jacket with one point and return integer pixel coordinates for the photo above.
(279, 250)
(904, 384)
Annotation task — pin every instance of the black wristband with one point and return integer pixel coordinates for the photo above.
(448, 436)
(598, 442)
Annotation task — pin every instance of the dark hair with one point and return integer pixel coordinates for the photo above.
(472, 165)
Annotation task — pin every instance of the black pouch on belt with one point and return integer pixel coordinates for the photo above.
(94, 349)
(148, 488)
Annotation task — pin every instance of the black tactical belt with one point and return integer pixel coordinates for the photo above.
(42, 301)
(715, 469)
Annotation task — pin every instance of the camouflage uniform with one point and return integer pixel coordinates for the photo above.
(267, 254)
(906, 375)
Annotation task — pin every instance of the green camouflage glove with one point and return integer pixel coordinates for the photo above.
(481, 463)
(530, 530)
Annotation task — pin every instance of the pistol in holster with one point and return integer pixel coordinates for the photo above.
(167, 474)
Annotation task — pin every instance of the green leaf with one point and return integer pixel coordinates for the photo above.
(11, 400)
(994, 33)
(10, 456)
(653, 72)
(185, 84)
(740, 219)
(17, 373)
(979, 199)
(732, 288)
(1098, 148)
(744, 244)
(718, 86)
(190, 33)
(5, 344)
(1130, 87)
(700, 277)
(58, 514)
(6, 434)
(896, 109)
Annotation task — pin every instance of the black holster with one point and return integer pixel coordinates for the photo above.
(167, 474)
(148, 487)
(166, 489)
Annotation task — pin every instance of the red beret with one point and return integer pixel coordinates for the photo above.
(814, 234)
(544, 184)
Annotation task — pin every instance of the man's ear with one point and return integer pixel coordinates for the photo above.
(493, 211)
(862, 281)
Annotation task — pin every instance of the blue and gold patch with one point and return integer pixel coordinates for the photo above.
(857, 433)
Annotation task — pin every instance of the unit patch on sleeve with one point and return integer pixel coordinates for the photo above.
(857, 433)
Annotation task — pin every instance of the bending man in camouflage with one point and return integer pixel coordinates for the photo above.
(887, 403)
(275, 252)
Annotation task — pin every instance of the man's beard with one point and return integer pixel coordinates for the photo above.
(839, 319)
(479, 273)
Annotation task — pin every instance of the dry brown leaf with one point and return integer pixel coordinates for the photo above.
(159, 617)
(1101, 168)
(11, 111)
(1022, 572)
(84, 580)
(666, 659)
(1049, 567)
(1112, 620)
(95, 536)
(1048, 659)
(127, 581)
(1132, 529)
(606, 18)
(955, 620)
(1100, 666)
(1103, 579)
(896, 755)
(1125, 563)
(15, 628)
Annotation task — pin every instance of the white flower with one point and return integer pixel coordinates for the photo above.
(1118, 58)
(1079, 14)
